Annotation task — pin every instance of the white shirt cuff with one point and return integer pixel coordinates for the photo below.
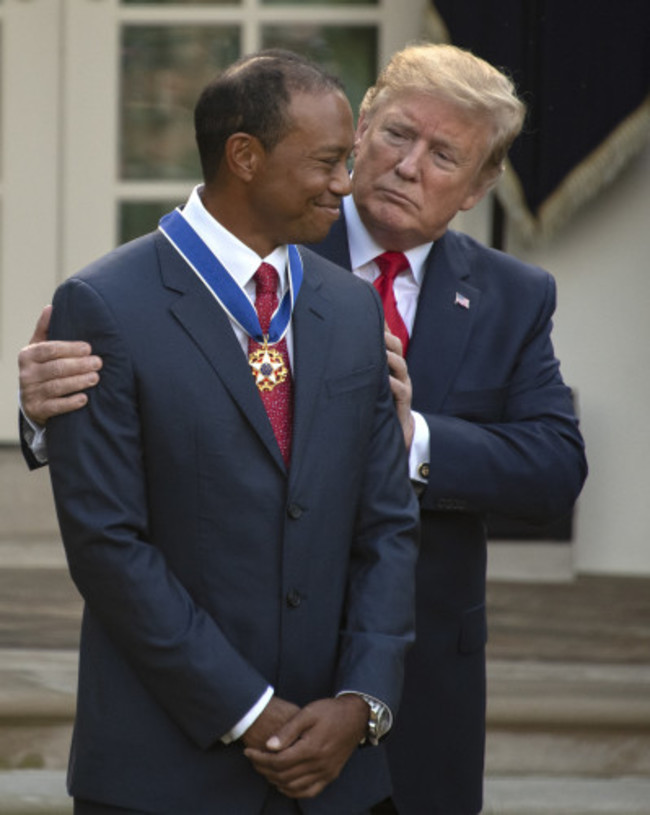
(34, 437)
(243, 724)
(420, 448)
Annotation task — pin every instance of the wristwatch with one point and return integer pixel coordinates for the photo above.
(379, 720)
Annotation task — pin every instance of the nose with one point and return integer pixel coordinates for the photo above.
(340, 183)
(408, 166)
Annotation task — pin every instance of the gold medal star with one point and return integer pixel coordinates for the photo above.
(268, 368)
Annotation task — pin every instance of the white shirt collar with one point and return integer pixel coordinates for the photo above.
(240, 260)
(364, 248)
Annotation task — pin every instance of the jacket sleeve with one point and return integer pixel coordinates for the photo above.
(379, 624)
(528, 463)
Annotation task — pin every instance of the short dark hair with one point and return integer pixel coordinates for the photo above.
(252, 96)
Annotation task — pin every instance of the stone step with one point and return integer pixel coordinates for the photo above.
(37, 703)
(26, 503)
(568, 719)
(543, 719)
(32, 552)
(42, 792)
(566, 796)
(34, 792)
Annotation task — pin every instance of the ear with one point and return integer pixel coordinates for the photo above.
(243, 154)
(481, 187)
(359, 133)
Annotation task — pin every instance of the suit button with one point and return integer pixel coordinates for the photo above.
(293, 598)
(294, 511)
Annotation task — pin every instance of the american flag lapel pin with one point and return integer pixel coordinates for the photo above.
(461, 300)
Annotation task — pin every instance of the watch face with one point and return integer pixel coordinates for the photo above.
(383, 723)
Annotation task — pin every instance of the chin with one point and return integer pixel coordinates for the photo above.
(315, 234)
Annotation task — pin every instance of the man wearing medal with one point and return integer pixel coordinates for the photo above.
(247, 568)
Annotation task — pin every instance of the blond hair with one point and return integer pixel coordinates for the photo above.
(458, 77)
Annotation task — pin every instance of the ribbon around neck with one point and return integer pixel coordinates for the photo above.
(224, 287)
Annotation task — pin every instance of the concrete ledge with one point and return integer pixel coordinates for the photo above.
(530, 562)
(564, 695)
(25, 792)
(568, 796)
(26, 503)
(32, 792)
(568, 720)
(33, 553)
(37, 704)
(37, 684)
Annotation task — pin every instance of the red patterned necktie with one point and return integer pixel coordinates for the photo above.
(390, 265)
(278, 399)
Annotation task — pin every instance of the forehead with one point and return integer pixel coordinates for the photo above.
(436, 119)
(425, 109)
(321, 117)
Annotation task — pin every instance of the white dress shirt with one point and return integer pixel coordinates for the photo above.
(240, 260)
(363, 249)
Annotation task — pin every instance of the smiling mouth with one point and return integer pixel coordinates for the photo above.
(333, 209)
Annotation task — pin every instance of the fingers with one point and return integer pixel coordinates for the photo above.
(400, 381)
(307, 786)
(57, 387)
(296, 771)
(51, 374)
(289, 761)
(271, 720)
(400, 387)
(56, 351)
(393, 343)
(290, 732)
(39, 407)
(311, 749)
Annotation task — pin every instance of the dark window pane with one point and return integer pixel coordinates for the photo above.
(320, 2)
(138, 218)
(164, 69)
(180, 2)
(350, 52)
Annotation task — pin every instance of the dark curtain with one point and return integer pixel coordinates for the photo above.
(583, 69)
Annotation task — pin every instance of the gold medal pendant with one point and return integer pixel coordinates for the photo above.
(267, 366)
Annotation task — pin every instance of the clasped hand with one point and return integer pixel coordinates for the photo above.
(301, 750)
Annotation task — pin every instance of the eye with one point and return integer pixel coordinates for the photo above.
(395, 134)
(443, 158)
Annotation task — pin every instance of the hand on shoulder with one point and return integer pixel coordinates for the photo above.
(53, 373)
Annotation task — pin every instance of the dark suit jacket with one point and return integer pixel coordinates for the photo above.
(504, 438)
(207, 570)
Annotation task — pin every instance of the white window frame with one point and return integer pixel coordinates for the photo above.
(59, 185)
(30, 181)
(94, 36)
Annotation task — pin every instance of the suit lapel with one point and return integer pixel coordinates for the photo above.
(207, 324)
(447, 308)
(312, 326)
(442, 324)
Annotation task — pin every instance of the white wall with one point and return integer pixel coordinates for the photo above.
(601, 261)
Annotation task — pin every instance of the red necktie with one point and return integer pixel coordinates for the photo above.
(278, 401)
(390, 265)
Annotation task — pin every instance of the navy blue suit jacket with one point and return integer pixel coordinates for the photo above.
(504, 438)
(208, 570)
